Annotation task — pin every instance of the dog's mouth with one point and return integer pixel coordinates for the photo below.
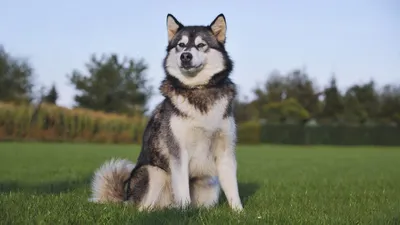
(191, 70)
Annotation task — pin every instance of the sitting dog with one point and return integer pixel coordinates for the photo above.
(188, 150)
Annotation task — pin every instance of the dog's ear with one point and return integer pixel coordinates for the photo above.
(218, 27)
(173, 26)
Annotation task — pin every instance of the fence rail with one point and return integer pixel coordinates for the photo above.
(330, 135)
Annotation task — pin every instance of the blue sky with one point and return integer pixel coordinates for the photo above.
(355, 39)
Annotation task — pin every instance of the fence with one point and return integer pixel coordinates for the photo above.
(325, 135)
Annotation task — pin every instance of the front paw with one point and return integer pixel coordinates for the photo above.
(144, 208)
(183, 204)
(237, 207)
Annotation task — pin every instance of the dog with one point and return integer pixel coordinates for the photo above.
(188, 151)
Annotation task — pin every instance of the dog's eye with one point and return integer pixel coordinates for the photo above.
(181, 45)
(200, 45)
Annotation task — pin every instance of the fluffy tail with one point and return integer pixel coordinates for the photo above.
(108, 181)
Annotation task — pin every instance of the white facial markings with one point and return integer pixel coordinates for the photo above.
(198, 57)
(198, 40)
(172, 64)
(200, 43)
(213, 62)
(184, 40)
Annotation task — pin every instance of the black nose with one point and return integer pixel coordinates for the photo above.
(186, 57)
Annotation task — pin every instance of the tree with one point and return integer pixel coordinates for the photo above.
(275, 88)
(244, 110)
(333, 107)
(302, 88)
(272, 90)
(288, 110)
(16, 78)
(354, 113)
(362, 102)
(112, 85)
(295, 85)
(390, 104)
(52, 96)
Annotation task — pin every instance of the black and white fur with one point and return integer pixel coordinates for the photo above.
(188, 150)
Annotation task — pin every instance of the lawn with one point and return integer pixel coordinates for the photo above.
(49, 184)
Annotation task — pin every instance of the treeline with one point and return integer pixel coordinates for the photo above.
(294, 98)
(112, 96)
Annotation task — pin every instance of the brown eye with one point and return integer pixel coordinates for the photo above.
(181, 45)
(200, 45)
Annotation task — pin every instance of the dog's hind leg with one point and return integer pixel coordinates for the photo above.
(158, 193)
(204, 191)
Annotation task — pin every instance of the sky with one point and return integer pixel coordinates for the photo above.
(357, 40)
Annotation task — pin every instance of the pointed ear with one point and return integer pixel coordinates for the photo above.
(218, 27)
(173, 26)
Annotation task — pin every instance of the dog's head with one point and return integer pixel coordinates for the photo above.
(195, 54)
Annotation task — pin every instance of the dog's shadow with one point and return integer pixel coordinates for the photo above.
(171, 216)
(246, 190)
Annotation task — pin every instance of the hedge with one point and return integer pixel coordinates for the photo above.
(330, 135)
(249, 133)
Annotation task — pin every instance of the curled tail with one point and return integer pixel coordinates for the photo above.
(108, 181)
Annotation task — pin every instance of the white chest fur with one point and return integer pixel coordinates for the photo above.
(196, 133)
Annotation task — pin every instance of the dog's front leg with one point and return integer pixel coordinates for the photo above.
(226, 163)
(180, 179)
(179, 163)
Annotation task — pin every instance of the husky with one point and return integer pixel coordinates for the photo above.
(188, 150)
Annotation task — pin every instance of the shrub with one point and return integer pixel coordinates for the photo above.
(249, 133)
(53, 123)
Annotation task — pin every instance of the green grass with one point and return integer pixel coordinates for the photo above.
(49, 184)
